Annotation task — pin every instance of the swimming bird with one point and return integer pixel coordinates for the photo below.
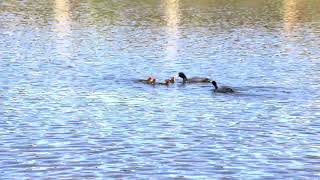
(153, 81)
(166, 82)
(172, 80)
(223, 89)
(146, 81)
(193, 79)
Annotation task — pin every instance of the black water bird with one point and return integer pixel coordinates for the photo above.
(193, 79)
(223, 89)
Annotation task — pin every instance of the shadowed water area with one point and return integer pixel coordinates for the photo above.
(70, 107)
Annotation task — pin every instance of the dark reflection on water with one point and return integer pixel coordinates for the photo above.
(69, 107)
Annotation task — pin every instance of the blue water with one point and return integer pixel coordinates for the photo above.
(70, 107)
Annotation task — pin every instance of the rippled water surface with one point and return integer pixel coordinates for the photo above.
(70, 107)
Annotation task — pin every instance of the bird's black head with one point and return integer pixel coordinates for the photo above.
(182, 75)
(214, 84)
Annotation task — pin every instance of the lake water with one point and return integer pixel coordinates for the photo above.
(70, 109)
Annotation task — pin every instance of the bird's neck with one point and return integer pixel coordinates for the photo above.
(185, 79)
(215, 86)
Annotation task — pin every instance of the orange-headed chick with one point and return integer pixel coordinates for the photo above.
(172, 80)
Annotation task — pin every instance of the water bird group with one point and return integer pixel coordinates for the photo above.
(153, 81)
